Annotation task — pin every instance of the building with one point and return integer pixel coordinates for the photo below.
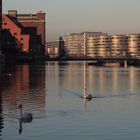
(9, 48)
(102, 45)
(53, 49)
(76, 44)
(27, 40)
(85, 44)
(119, 45)
(56, 49)
(97, 45)
(134, 45)
(37, 21)
(1, 54)
(92, 45)
(0, 25)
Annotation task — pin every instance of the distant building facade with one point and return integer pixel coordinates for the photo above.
(87, 44)
(119, 46)
(53, 49)
(102, 45)
(79, 45)
(56, 49)
(134, 45)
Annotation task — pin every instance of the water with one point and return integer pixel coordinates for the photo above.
(51, 92)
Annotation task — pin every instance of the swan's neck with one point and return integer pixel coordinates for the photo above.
(84, 92)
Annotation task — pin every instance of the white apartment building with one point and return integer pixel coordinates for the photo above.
(134, 45)
(119, 46)
(81, 44)
(101, 45)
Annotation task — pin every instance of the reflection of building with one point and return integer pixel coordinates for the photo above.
(1, 103)
(1, 118)
(1, 107)
(26, 86)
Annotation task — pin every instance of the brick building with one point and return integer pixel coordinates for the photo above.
(32, 20)
(27, 40)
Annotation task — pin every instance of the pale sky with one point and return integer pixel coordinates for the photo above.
(67, 16)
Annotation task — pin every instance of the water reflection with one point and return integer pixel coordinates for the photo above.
(86, 103)
(20, 127)
(1, 115)
(61, 86)
(22, 84)
(101, 81)
(1, 109)
(26, 86)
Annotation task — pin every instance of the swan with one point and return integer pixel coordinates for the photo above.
(86, 96)
(25, 117)
(89, 97)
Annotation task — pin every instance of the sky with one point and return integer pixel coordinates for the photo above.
(68, 16)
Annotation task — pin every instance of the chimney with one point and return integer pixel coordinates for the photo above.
(12, 13)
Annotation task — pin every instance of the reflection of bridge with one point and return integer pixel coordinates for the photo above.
(122, 61)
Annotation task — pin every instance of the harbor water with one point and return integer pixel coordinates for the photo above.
(51, 92)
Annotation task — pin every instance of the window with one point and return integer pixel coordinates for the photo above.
(15, 33)
(21, 44)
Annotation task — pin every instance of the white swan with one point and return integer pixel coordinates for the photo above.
(26, 117)
(86, 96)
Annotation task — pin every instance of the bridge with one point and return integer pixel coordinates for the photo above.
(99, 61)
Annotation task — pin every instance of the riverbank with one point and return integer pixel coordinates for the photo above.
(92, 61)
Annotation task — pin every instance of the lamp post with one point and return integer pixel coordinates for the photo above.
(84, 44)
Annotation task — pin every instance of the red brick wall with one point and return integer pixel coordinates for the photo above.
(38, 22)
(22, 40)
